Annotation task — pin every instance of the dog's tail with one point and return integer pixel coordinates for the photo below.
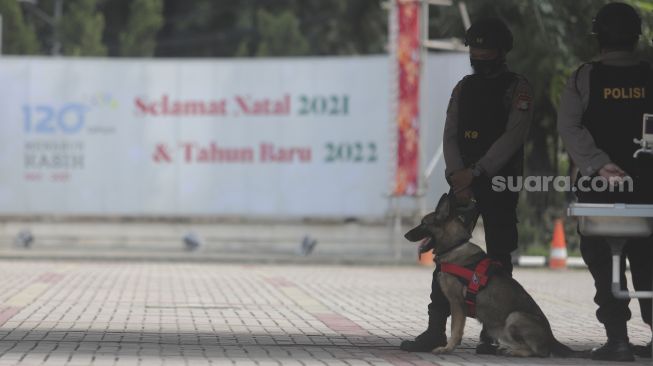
(560, 350)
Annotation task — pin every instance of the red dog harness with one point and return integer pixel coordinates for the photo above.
(475, 280)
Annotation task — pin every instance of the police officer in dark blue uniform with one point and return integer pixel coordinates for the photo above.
(487, 123)
(600, 114)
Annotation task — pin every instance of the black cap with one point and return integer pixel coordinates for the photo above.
(617, 24)
(489, 33)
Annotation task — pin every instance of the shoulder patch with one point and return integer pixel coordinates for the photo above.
(523, 97)
(523, 101)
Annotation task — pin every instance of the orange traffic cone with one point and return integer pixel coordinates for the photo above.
(558, 257)
(426, 258)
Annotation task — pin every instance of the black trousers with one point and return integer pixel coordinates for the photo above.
(613, 312)
(499, 213)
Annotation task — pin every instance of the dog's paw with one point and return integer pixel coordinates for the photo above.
(509, 352)
(502, 351)
(443, 350)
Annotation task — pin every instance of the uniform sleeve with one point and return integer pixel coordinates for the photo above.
(452, 157)
(577, 139)
(517, 127)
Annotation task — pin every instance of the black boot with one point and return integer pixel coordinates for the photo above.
(642, 351)
(432, 338)
(614, 350)
(425, 342)
(487, 345)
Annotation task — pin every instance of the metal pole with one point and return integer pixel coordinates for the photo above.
(422, 181)
(462, 7)
(396, 232)
(0, 34)
(616, 246)
(616, 283)
(56, 44)
(393, 27)
(434, 162)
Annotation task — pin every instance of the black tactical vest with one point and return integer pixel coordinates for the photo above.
(483, 110)
(619, 96)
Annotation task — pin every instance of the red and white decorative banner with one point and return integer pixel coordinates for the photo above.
(408, 59)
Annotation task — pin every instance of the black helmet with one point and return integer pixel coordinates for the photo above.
(489, 33)
(617, 24)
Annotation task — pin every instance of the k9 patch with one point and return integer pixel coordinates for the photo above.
(524, 102)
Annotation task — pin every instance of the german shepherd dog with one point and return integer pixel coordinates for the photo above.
(508, 313)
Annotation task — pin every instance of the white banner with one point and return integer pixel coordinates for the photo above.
(275, 138)
(288, 137)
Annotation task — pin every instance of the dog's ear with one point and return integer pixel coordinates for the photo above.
(444, 208)
(442, 198)
(468, 215)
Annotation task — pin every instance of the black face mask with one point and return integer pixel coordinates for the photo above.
(487, 67)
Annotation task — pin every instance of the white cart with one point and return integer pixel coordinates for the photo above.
(616, 223)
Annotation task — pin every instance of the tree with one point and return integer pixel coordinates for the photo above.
(145, 21)
(230, 28)
(18, 37)
(342, 27)
(279, 35)
(82, 26)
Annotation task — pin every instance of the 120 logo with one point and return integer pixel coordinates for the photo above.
(44, 119)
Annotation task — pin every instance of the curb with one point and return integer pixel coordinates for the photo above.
(542, 261)
(245, 258)
(199, 257)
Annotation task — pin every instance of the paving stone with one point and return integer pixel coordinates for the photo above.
(117, 313)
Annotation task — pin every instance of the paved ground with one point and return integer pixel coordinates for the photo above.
(106, 313)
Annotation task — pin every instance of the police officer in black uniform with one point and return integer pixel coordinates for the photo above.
(487, 123)
(600, 114)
